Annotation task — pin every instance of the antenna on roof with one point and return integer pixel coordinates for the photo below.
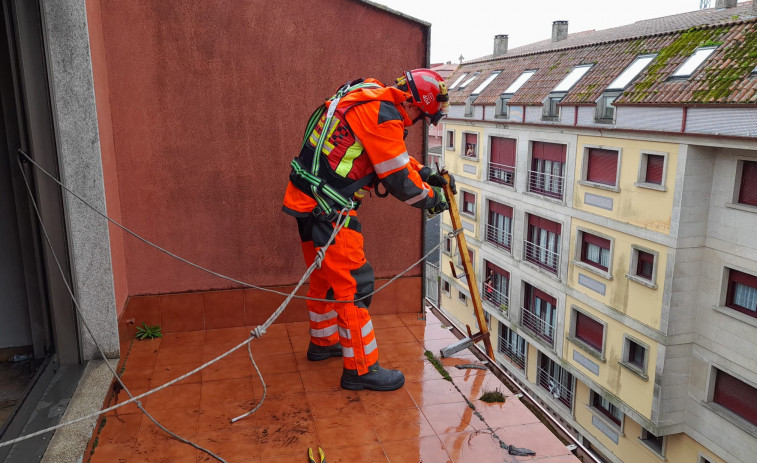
(704, 4)
(461, 59)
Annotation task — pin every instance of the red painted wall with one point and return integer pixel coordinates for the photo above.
(208, 100)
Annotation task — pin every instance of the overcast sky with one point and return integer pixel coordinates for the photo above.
(468, 27)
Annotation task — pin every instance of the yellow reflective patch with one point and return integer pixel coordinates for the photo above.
(345, 165)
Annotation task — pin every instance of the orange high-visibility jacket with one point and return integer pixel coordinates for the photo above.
(365, 138)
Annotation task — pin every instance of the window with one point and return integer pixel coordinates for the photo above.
(512, 346)
(518, 83)
(551, 108)
(458, 80)
(606, 408)
(643, 268)
(501, 108)
(605, 109)
(469, 106)
(467, 81)
(469, 203)
(572, 78)
(450, 139)
(547, 169)
(595, 251)
(486, 82)
(634, 356)
(446, 287)
(693, 62)
(496, 284)
(747, 192)
(502, 160)
(543, 243)
(539, 314)
(470, 257)
(645, 265)
(742, 292)
(654, 443)
(652, 170)
(588, 330)
(462, 298)
(601, 166)
(470, 146)
(735, 395)
(447, 246)
(499, 225)
(630, 73)
(556, 380)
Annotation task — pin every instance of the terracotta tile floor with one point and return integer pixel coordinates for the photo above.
(426, 421)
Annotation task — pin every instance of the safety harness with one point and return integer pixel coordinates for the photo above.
(330, 198)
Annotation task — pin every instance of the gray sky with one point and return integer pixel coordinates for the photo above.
(468, 27)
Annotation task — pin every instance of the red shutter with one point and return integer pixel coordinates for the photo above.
(493, 268)
(543, 296)
(603, 166)
(468, 198)
(471, 138)
(543, 223)
(736, 396)
(748, 192)
(655, 163)
(601, 242)
(501, 209)
(589, 330)
(644, 264)
(548, 151)
(503, 151)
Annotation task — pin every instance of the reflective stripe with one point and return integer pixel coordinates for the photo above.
(322, 333)
(345, 165)
(392, 164)
(319, 317)
(348, 352)
(345, 333)
(367, 328)
(418, 197)
(370, 347)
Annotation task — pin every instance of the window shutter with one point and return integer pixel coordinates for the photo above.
(548, 151)
(748, 192)
(469, 198)
(603, 166)
(493, 268)
(471, 138)
(539, 222)
(655, 163)
(543, 296)
(644, 264)
(501, 209)
(503, 151)
(736, 396)
(601, 242)
(589, 330)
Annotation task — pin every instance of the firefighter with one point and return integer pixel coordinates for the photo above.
(364, 144)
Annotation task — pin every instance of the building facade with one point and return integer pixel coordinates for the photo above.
(608, 189)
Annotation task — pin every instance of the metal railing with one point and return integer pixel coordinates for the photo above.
(495, 297)
(557, 390)
(539, 326)
(498, 237)
(514, 354)
(541, 256)
(502, 174)
(546, 184)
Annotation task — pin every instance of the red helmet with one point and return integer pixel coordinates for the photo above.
(429, 92)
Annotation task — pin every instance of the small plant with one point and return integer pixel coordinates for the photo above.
(149, 331)
(493, 396)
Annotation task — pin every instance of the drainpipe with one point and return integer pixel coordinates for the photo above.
(575, 117)
(683, 118)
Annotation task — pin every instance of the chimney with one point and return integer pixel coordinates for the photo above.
(500, 44)
(560, 30)
(727, 3)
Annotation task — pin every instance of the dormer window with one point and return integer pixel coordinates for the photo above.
(692, 64)
(486, 82)
(605, 109)
(459, 79)
(501, 109)
(551, 109)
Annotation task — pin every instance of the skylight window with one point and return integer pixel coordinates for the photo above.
(459, 79)
(486, 82)
(467, 81)
(694, 61)
(570, 80)
(631, 72)
(522, 79)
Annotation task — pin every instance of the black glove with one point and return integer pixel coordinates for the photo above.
(440, 206)
(436, 179)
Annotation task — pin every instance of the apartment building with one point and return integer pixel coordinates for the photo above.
(608, 188)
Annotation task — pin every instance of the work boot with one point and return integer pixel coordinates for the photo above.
(317, 353)
(377, 379)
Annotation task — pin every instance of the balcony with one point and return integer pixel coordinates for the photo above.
(514, 353)
(541, 256)
(555, 386)
(538, 325)
(501, 174)
(546, 184)
(497, 298)
(498, 237)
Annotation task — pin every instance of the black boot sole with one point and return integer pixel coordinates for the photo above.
(358, 386)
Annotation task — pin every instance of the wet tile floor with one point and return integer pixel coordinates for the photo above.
(427, 420)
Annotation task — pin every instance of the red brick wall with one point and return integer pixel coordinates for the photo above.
(208, 101)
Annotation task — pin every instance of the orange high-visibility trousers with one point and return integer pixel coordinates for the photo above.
(345, 275)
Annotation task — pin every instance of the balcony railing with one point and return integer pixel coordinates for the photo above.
(502, 174)
(539, 326)
(541, 256)
(546, 184)
(496, 297)
(513, 352)
(555, 387)
(498, 237)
